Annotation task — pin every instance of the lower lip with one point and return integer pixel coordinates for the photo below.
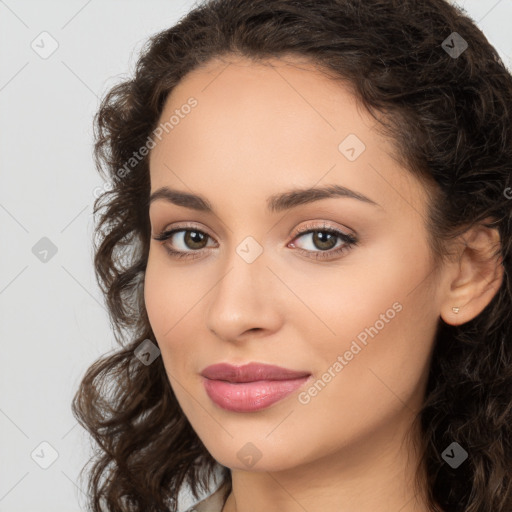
(250, 396)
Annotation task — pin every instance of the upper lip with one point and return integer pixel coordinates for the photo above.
(250, 372)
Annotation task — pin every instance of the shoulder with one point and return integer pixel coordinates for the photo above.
(213, 503)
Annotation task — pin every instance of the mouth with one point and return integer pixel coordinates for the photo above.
(250, 387)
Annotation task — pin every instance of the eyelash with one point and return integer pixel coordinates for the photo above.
(349, 241)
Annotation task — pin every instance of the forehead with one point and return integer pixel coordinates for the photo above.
(289, 95)
(274, 122)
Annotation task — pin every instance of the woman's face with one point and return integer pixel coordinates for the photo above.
(357, 318)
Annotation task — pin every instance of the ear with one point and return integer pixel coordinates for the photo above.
(474, 277)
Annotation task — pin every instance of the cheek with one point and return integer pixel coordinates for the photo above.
(166, 296)
(171, 305)
(155, 296)
(378, 289)
(374, 385)
(367, 380)
(382, 325)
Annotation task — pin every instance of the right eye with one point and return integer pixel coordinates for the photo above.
(191, 238)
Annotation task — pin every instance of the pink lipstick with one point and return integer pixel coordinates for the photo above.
(250, 387)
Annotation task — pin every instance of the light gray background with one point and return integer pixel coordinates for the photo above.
(53, 323)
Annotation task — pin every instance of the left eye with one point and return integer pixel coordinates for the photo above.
(323, 239)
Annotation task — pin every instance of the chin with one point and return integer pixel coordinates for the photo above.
(258, 455)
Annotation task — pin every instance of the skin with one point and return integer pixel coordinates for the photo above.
(263, 128)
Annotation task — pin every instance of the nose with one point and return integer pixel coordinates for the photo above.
(247, 299)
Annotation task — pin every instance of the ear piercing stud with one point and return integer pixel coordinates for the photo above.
(455, 310)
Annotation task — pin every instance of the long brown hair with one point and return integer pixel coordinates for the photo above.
(450, 117)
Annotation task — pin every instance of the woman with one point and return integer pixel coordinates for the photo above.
(306, 255)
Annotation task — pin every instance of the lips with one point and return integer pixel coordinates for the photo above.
(251, 387)
(250, 372)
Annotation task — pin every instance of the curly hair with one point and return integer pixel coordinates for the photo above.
(450, 118)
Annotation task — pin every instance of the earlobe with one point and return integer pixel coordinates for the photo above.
(451, 316)
(477, 276)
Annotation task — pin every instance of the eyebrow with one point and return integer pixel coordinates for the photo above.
(275, 203)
